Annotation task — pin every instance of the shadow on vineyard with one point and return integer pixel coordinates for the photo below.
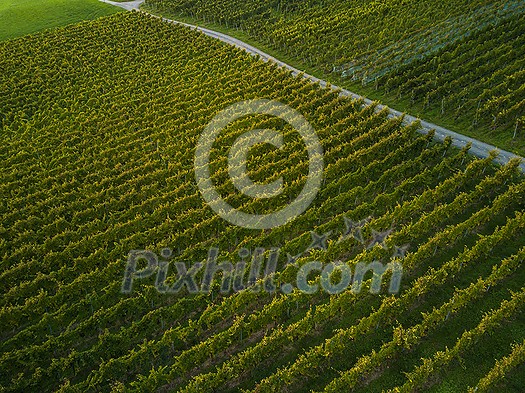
(104, 218)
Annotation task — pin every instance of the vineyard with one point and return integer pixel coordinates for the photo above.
(428, 58)
(100, 122)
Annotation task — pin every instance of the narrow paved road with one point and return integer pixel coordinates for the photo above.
(128, 5)
(479, 149)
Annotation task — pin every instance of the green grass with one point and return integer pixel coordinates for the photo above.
(21, 17)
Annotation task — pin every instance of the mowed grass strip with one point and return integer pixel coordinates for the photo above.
(21, 17)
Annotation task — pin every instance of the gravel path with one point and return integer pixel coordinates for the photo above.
(479, 149)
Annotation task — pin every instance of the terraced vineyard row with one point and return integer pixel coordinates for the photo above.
(99, 129)
(457, 64)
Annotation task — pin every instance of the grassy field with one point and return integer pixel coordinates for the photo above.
(21, 17)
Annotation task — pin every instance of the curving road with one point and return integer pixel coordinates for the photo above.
(128, 5)
(479, 149)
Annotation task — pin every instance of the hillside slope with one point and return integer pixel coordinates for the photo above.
(99, 131)
(459, 64)
(20, 17)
